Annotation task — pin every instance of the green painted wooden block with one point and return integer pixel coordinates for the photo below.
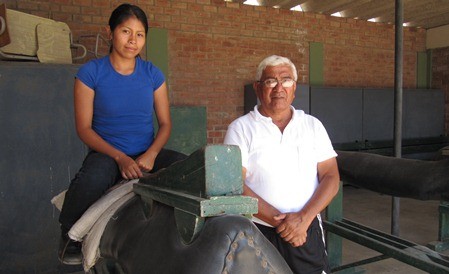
(206, 184)
(213, 170)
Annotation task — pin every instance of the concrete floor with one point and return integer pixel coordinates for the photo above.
(418, 224)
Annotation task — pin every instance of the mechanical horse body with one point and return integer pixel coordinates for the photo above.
(188, 218)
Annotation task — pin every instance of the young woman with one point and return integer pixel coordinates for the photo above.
(115, 97)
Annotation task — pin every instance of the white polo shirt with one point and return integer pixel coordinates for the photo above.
(281, 167)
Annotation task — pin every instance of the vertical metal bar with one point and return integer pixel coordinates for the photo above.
(334, 212)
(443, 231)
(398, 71)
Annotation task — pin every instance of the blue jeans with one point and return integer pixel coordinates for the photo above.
(97, 174)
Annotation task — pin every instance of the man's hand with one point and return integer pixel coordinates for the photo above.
(293, 228)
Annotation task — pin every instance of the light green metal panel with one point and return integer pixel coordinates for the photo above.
(422, 70)
(429, 68)
(188, 128)
(189, 131)
(316, 64)
(157, 49)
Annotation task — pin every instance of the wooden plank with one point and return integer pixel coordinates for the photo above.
(201, 207)
(4, 33)
(219, 205)
(54, 43)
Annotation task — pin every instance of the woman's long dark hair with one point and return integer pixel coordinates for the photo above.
(123, 13)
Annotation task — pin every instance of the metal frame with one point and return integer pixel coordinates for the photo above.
(389, 246)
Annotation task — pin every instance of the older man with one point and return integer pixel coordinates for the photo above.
(289, 165)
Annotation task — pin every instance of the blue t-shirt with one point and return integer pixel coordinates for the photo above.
(123, 104)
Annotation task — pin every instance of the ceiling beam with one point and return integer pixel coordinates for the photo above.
(331, 6)
(409, 12)
(269, 3)
(371, 9)
(288, 4)
(420, 13)
(431, 22)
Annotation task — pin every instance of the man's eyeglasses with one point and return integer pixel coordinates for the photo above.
(272, 82)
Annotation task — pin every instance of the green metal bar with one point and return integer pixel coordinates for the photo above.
(345, 267)
(334, 212)
(376, 234)
(443, 233)
(443, 229)
(411, 256)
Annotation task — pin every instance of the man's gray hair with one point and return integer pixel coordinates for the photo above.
(275, 60)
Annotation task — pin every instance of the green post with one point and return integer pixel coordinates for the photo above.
(334, 212)
(316, 64)
(157, 49)
(443, 230)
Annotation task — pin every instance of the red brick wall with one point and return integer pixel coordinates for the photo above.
(440, 75)
(215, 47)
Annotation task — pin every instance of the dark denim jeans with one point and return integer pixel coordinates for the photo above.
(98, 173)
